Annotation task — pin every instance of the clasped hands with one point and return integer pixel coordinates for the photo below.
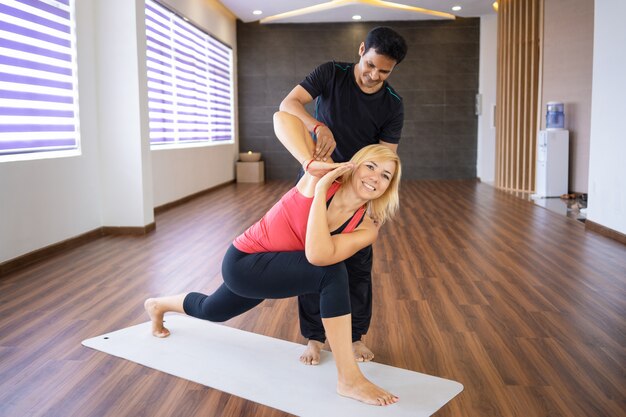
(333, 171)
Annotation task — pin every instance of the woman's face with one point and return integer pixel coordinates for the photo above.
(372, 178)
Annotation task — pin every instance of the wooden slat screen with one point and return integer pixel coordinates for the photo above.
(517, 110)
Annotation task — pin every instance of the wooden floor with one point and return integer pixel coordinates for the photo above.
(522, 306)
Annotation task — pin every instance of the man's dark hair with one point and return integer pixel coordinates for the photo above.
(386, 41)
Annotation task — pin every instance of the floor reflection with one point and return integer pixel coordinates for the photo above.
(570, 205)
(574, 206)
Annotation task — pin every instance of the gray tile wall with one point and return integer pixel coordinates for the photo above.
(438, 81)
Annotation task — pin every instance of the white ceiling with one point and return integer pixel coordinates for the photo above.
(369, 10)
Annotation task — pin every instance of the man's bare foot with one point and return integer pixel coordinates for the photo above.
(364, 391)
(311, 355)
(361, 352)
(156, 315)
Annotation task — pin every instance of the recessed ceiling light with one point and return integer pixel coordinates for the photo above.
(257, 12)
(185, 19)
(356, 17)
(456, 8)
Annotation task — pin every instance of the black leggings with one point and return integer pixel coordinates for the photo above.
(359, 267)
(251, 278)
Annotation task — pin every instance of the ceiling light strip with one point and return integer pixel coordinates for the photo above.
(339, 3)
(398, 6)
(307, 10)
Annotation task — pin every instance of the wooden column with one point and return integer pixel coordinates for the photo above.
(517, 110)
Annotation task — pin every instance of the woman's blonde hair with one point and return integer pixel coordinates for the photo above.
(384, 207)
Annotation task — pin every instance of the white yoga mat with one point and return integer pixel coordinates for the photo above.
(267, 370)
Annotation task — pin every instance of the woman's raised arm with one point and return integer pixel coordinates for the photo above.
(294, 136)
(298, 141)
(321, 248)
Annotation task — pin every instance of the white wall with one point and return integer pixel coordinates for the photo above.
(486, 150)
(46, 201)
(607, 162)
(181, 172)
(178, 173)
(566, 77)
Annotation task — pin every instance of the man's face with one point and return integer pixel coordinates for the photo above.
(373, 68)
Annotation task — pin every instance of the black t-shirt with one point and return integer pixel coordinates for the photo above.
(357, 119)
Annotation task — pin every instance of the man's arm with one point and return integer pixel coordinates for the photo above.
(392, 146)
(392, 129)
(294, 136)
(294, 103)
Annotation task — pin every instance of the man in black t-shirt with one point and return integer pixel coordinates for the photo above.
(354, 107)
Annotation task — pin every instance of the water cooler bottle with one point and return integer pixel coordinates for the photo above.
(552, 163)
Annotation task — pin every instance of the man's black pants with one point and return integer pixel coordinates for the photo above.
(359, 268)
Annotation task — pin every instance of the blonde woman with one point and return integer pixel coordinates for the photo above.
(298, 248)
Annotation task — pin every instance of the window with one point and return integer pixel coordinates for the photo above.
(190, 86)
(38, 89)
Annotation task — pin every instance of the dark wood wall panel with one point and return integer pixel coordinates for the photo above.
(438, 82)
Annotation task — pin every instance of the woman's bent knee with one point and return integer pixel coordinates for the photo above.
(335, 292)
(199, 305)
(335, 276)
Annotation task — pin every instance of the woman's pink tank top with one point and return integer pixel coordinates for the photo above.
(283, 228)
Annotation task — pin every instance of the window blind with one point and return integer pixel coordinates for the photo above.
(190, 88)
(38, 89)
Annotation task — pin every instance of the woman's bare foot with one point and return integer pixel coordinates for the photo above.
(311, 355)
(361, 352)
(364, 391)
(156, 315)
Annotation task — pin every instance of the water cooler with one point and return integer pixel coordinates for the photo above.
(552, 163)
